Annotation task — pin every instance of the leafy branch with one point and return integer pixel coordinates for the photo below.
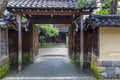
(83, 3)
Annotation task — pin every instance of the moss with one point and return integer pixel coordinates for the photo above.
(66, 45)
(95, 71)
(73, 60)
(4, 70)
(14, 60)
(101, 69)
(47, 45)
(26, 57)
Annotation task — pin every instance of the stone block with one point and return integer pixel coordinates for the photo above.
(104, 75)
(117, 70)
(101, 69)
(111, 63)
(118, 76)
(110, 72)
(116, 63)
(107, 63)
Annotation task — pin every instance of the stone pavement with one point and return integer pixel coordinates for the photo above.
(51, 64)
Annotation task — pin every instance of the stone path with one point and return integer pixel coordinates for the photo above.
(51, 64)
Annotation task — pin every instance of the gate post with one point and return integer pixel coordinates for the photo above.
(81, 42)
(19, 43)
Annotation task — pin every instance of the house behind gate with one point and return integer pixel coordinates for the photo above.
(105, 43)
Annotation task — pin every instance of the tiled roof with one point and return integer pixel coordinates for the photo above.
(63, 29)
(8, 19)
(4, 21)
(42, 3)
(104, 20)
(45, 4)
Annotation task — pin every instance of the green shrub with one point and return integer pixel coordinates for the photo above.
(73, 59)
(94, 70)
(26, 57)
(66, 45)
(4, 70)
(47, 45)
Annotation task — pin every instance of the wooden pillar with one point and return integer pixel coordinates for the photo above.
(74, 45)
(31, 40)
(19, 43)
(70, 41)
(81, 42)
(66, 38)
(0, 47)
(7, 48)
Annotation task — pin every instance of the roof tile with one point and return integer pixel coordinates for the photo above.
(104, 20)
(41, 4)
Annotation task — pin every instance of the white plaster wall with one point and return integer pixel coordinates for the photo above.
(109, 43)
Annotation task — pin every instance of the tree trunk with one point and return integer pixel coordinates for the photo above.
(113, 6)
(3, 4)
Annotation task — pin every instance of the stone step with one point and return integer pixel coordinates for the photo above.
(50, 78)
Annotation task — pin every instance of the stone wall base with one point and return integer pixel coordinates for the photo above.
(111, 69)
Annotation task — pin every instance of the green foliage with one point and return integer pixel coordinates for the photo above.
(26, 58)
(4, 70)
(24, 19)
(73, 60)
(82, 3)
(48, 30)
(47, 45)
(102, 11)
(66, 45)
(118, 7)
(104, 7)
(94, 70)
(105, 4)
(42, 39)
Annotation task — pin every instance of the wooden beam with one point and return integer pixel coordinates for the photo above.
(19, 43)
(81, 43)
(51, 21)
(48, 12)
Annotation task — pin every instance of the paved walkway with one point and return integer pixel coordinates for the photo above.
(51, 64)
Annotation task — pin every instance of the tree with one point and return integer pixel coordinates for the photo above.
(108, 7)
(3, 4)
(113, 7)
(82, 3)
(104, 7)
(47, 30)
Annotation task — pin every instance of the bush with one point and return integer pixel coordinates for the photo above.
(26, 58)
(47, 45)
(4, 70)
(94, 70)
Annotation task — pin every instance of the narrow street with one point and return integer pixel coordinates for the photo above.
(51, 64)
